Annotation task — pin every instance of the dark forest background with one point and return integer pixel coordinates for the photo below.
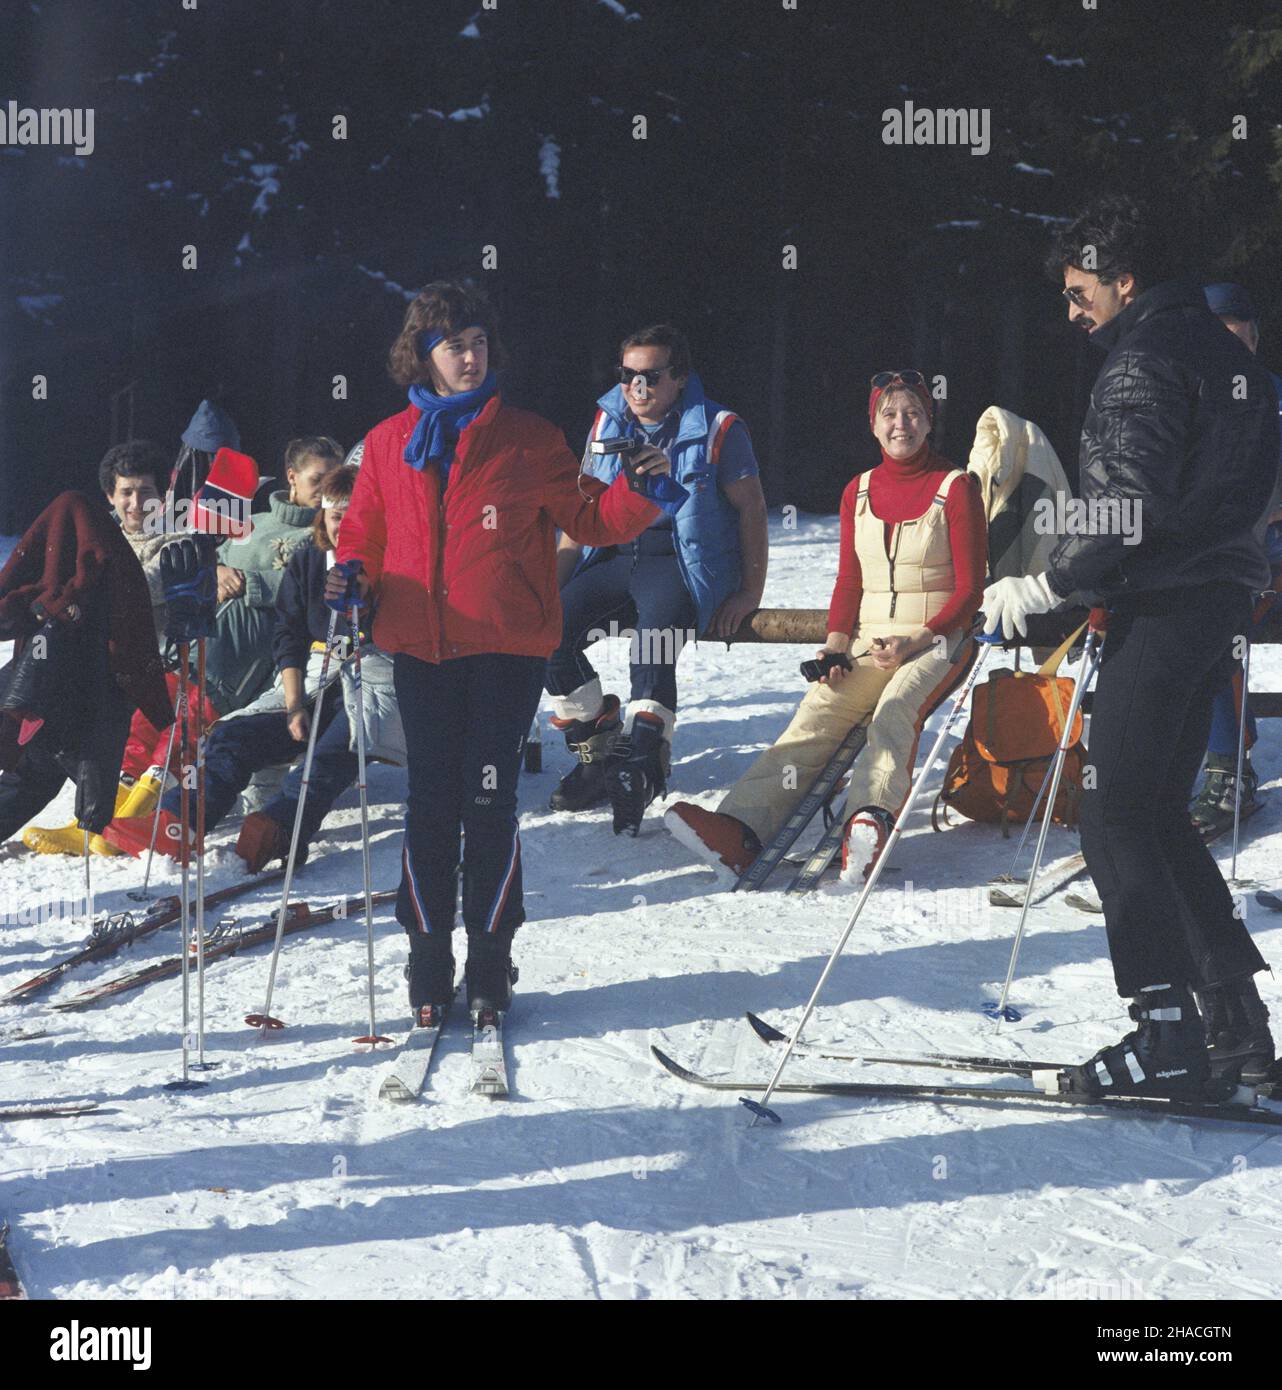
(512, 127)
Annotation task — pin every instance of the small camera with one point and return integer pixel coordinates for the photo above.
(818, 668)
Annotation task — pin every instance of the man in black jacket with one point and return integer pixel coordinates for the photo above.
(1178, 461)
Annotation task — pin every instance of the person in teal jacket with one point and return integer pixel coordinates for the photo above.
(698, 572)
(239, 664)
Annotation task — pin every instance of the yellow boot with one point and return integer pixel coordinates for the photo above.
(70, 839)
(142, 797)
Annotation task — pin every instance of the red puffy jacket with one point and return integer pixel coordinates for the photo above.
(475, 571)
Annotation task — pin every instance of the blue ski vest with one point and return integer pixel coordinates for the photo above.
(706, 527)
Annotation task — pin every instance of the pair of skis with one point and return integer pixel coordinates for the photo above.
(408, 1074)
(226, 939)
(1009, 892)
(1043, 1074)
(820, 792)
(113, 932)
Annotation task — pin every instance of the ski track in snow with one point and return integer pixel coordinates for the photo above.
(602, 1177)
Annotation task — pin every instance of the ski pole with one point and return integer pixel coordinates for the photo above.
(141, 894)
(1241, 755)
(184, 829)
(1086, 668)
(1028, 825)
(264, 1020)
(760, 1109)
(88, 885)
(373, 1038)
(201, 734)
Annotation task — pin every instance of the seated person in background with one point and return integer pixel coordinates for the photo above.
(129, 476)
(239, 664)
(909, 583)
(274, 729)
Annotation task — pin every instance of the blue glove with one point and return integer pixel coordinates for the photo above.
(191, 591)
(349, 597)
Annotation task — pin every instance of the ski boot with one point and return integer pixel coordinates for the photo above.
(132, 835)
(490, 975)
(719, 840)
(262, 838)
(1238, 1040)
(591, 741)
(637, 772)
(1166, 1056)
(1213, 809)
(866, 835)
(430, 972)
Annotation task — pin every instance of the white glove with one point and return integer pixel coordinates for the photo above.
(1009, 602)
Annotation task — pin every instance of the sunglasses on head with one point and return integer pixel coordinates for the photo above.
(884, 379)
(652, 378)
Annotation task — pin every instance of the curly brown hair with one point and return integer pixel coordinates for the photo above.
(448, 307)
(337, 487)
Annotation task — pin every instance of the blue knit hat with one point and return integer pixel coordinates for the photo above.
(211, 429)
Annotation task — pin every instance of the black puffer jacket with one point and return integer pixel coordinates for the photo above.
(1184, 421)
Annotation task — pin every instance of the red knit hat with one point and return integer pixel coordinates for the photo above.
(924, 396)
(223, 504)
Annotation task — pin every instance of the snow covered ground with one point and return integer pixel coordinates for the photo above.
(603, 1177)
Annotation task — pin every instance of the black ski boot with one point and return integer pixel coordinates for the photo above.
(591, 741)
(1213, 809)
(1166, 1056)
(430, 972)
(1238, 1040)
(637, 773)
(490, 974)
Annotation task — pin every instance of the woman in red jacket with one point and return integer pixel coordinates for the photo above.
(453, 521)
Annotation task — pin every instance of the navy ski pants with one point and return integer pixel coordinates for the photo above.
(1169, 913)
(466, 722)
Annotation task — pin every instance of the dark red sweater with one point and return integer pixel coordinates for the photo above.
(900, 490)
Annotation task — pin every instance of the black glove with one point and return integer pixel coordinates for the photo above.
(191, 590)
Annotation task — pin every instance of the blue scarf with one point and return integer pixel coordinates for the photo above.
(443, 418)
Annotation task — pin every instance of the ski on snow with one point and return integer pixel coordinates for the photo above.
(39, 1111)
(225, 940)
(407, 1075)
(1142, 1105)
(10, 1284)
(1009, 892)
(943, 1060)
(489, 1061)
(120, 929)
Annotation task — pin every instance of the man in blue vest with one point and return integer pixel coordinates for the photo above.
(699, 572)
(1213, 808)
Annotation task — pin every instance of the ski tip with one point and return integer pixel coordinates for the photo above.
(264, 1021)
(668, 1064)
(1009, 1014)
(762, 1112)
(764, 1030)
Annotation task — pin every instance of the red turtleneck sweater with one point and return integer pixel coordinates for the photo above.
(900, 490)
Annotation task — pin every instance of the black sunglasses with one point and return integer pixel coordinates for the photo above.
(884, 379)
(652, 378)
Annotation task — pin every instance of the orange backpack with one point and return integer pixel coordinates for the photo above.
(1016, 720)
